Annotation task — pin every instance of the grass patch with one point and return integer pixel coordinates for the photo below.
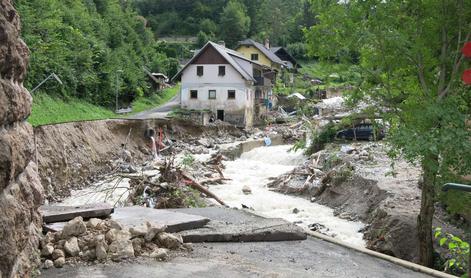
(146, 103)
(51, 110)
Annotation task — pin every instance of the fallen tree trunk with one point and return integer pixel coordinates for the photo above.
(194, 184)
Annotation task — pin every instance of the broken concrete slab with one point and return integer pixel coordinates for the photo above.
(175, 221)
(138, 216)
(230, 225)
(52, 214)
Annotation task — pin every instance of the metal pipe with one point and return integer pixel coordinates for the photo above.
(456, 186)
(44, 81)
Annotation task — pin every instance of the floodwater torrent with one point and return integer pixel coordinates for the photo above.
(254, 168)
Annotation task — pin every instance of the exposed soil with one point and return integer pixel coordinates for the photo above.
(360, 184)
(72, 155)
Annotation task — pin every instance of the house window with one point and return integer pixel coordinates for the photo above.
(193, 94)
(254, 57)
(199, 70)
(231, 94)
(212, 94)
(222, 70)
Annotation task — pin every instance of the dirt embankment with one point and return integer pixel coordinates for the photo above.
(71, 155)
(358, 182)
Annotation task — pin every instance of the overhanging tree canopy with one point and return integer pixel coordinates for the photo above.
(411, 62)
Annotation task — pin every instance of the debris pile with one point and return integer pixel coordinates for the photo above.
(102, 240)
(173, 187)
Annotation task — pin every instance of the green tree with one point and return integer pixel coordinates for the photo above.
(411, 63)
(234, 22)
(86, 42)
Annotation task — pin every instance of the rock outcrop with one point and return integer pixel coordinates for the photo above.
(20, 187)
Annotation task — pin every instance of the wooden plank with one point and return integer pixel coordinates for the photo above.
(52, 214)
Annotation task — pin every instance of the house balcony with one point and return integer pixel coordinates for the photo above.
(262, 81)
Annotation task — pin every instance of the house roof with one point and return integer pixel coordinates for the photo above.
(270, 55)
(229, 55)
(291, 62)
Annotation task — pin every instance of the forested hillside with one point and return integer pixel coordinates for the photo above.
(90, 44)
(281, 21)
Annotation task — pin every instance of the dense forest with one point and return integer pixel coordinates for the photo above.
(282, 21)
(97, 46)
(93, 45)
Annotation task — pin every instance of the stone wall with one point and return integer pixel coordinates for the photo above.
(20, 188)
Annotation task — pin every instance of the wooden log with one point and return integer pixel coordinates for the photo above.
(194, 184)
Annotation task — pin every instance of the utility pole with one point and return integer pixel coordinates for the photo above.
(117, 88)
(52, 75)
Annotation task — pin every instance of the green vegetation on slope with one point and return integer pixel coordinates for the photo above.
(281, 21)
(146, 103)
(90, 44)
(50, 110)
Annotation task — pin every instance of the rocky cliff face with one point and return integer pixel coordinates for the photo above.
(20, 188)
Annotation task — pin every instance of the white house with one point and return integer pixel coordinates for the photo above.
(221, 81)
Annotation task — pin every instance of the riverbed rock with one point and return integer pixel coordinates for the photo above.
(246, 190)
(74, 227)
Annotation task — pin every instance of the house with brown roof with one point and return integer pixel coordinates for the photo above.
(221, 83)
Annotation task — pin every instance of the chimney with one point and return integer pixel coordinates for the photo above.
(267, 43)
(222, 43)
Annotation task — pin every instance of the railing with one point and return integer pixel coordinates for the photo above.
(262, 81)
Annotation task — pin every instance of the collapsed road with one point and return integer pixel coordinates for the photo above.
(226, 229)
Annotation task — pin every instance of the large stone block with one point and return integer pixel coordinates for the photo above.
(20, 221)
(20, 188)
(16, 151)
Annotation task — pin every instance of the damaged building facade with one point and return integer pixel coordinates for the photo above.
(221, 84)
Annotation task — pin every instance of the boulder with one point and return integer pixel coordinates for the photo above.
(59, 262)
(74, 227)
(71, 247)
(57, 253)
(159, 254)
(100, 251)
(121, 249)
(138, 231)
(246, 190)
(152, 231)
(137, 244)
(94, 223)
(47, 250)
(115, 224)
(48, 264)
(169, 241)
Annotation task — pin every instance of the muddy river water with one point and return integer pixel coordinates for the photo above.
(254, 168)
